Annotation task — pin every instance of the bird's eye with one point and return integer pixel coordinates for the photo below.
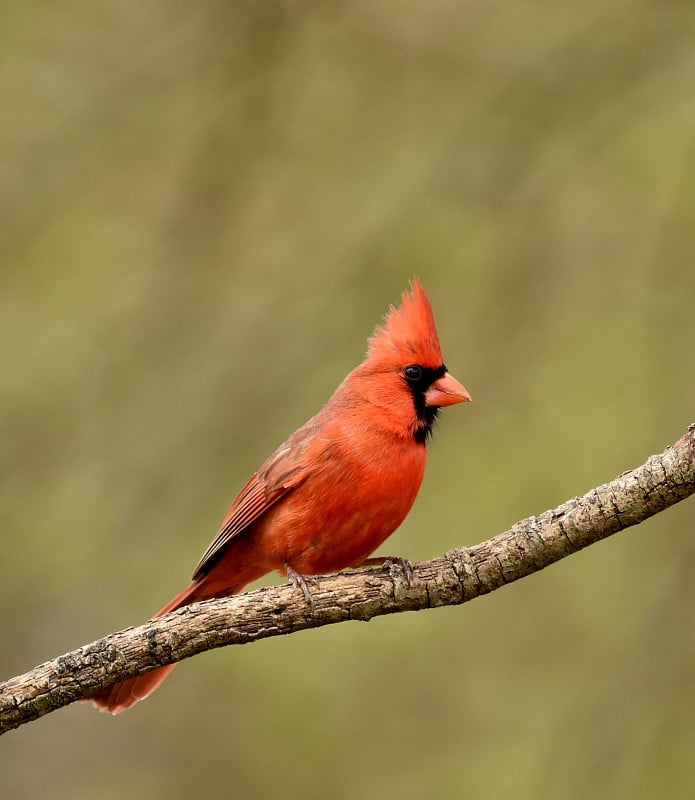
(413, 373)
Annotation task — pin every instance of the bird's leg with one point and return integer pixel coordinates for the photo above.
(302, 582)
(386, 562)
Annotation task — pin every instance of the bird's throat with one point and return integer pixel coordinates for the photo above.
(426, 416)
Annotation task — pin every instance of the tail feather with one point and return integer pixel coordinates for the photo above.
(123, 695)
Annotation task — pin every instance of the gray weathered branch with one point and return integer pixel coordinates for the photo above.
(454, 578)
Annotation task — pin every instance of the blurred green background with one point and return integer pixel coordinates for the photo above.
(204, 211)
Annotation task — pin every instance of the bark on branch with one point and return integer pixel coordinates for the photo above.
(456, 577)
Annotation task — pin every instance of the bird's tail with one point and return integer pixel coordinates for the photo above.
(125, 694)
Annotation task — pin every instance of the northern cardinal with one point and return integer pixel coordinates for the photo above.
(339, 486)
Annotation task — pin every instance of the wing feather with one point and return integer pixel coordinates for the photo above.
(281, 473)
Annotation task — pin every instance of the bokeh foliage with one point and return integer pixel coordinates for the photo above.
(204, 210)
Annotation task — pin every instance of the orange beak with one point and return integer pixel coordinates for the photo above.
(446, 391)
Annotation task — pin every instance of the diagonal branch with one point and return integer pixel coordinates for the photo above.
(454, 578)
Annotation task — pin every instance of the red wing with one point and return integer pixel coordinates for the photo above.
(277, 476)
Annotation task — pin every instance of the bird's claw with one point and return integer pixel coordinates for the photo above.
(302, 582)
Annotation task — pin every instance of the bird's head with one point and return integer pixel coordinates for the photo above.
(406, 365)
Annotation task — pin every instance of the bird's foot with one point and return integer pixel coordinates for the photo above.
(302, 582)
(386, 562)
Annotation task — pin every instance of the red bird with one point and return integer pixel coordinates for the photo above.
(339, 486)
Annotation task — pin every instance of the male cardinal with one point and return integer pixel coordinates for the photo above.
(342, 483)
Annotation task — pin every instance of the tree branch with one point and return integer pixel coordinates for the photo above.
(458, 576)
